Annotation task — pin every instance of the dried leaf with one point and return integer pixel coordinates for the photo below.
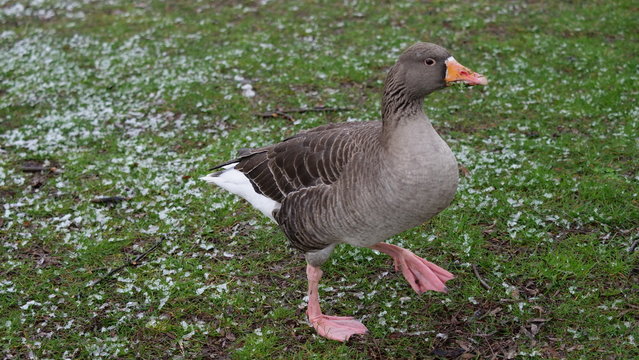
(525, 332)
(514, 293)
(510, 353)
(463, 344)
(534, 329)
(494, 311)
(463, 170)
(552, 353)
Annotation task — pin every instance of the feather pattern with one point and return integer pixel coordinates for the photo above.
(359, 182)
(303, 169)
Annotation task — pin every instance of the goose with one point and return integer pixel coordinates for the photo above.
(359, 183)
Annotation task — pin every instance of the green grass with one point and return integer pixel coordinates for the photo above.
(139, 99)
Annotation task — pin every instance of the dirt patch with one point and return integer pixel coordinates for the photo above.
(41, 256)
(219, 347)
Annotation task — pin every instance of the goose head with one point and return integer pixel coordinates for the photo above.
(429, 67)
(420, 70)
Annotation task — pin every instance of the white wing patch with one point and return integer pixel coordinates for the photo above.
(234, 181)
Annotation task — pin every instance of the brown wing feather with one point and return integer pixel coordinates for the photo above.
(312, 157)
(308, 162)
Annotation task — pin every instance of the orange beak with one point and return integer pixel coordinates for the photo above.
(457, 72)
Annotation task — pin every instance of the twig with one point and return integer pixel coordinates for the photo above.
(483, 283)
(275, 114)
(134, 262)
(39, 168)
(33, 168)
(633, 246)
(284, 113)
(108, 199)
(317, 109)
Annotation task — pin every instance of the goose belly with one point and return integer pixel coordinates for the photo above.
(402, 204)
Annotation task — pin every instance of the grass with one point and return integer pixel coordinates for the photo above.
(139, 99)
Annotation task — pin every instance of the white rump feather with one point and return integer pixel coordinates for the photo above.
(234, 181)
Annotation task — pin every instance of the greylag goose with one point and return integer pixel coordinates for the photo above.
(359, 183)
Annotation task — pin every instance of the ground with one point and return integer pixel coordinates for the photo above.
(111, 246)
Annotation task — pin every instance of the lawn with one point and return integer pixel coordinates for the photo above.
(111, 246)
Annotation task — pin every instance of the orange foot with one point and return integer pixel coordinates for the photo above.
(422, 275)
(339, 328)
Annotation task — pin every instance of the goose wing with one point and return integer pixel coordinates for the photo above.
(308, 159)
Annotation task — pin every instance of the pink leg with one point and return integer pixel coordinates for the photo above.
(338, 328)
(420, 274)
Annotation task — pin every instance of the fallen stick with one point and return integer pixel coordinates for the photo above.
(275, 114)
(483, 283)
(317, 109)
(108, 199)
(284, 113)
(633, 246)
(39, 168)
(33, 168)
(134, 262)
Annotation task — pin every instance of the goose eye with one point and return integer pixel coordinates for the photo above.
(430, 62)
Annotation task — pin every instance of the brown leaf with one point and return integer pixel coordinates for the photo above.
(539, 308)
(534, 329)
(525, 332)
(463, 344)
(552, 353)
(514, 293)
(576, 347)
(38, 180)
(511, 353)
(463, 171)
